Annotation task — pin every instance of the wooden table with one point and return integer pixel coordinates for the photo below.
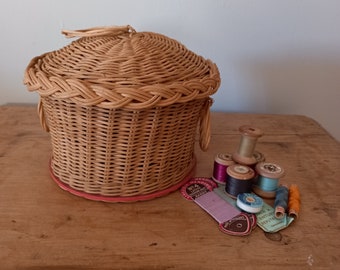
(44, 227)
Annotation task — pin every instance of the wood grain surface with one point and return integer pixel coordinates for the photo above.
(45, 227)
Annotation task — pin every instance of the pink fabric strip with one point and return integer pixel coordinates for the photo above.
(218, 208)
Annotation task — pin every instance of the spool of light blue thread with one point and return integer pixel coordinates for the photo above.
(267, 184)
(268, 179)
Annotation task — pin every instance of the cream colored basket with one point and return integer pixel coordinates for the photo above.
(122, 108)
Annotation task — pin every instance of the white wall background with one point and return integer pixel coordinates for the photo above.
(274, 56)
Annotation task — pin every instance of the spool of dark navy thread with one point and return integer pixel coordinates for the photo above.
(221, 163)
(281, 202)
(239, 180)
(268, 179)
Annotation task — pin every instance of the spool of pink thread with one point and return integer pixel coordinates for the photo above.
(221, 163)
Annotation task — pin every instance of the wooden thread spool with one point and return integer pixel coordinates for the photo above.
(221, 163)
(259, 157)
(294, 201)
(268, 179)
(239, 180)
(281, 202)
(245, 152)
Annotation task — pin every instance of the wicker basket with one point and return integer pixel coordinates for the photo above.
(122, 108)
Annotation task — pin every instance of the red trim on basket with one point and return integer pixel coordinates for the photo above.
(122, 199)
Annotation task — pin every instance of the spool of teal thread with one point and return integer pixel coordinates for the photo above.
(267, 184)
(267, 180)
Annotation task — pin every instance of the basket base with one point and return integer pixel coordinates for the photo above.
(142, 197)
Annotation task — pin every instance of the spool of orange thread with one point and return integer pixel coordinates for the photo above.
(245, 152)
(294, 201)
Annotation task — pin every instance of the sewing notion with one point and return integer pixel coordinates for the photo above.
(245, 190)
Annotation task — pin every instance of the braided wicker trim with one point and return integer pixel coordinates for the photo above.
(116, 68)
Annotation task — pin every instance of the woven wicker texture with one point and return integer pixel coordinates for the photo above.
(122, 108)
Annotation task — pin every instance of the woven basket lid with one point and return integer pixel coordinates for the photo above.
(117, 67)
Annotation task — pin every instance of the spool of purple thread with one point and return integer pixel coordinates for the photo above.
(221, 163)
